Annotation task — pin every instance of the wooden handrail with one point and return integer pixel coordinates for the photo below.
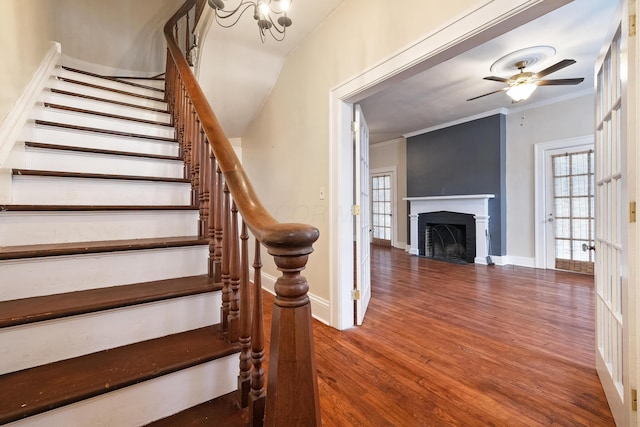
(221, 190)
(263, 226)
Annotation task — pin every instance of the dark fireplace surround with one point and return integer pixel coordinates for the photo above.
(448, 236)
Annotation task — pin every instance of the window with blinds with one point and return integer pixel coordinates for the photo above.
(574, 205)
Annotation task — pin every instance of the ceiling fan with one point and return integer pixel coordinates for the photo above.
(521, 85)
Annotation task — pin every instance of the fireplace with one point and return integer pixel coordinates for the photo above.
(476, 210)
(447, 236)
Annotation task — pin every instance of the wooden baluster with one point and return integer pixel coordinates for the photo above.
(205, 181)
(195, 158)
(178, 122)
(234, 308)
(225, 261)
(292, 397)
(244, 378)
(257, 396)
(214, 218)
(167, 81)
(187, 143)
(218, 224)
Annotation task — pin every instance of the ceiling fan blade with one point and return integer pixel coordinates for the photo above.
(558, 82)
(486, 94)
(555, 67)
(496, 79)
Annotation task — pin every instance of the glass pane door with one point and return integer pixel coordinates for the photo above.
(574, 205)
(381, 209)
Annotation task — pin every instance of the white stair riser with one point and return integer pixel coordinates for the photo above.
(147, 401)
(32, 228)
(31, 277)
(146, 82)
(67, 74)
(50, 341)
(29, 190)
(104, 123)
(104, 107)
(74, 161)
(51, 135)
(106, 94)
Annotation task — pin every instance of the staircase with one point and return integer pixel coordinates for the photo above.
(107, 315)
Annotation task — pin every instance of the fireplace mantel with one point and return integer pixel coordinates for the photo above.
(474, 204)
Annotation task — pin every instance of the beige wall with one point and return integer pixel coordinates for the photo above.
(26, 33)
(394, 154)
(286, 150)
(117, 34)
(568, 119)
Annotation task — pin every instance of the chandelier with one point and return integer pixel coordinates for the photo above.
(271, 15)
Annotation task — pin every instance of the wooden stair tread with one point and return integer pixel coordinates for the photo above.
(104, 131)
(222, 411)
(98, 151)
(101, 114)
(36, 309)
(115, 79)
(96, 98)
(91, 208)
(42, 388)
(81, 248)
(61, 174)
(122, 92)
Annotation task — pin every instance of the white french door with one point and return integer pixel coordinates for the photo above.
(613, 305)
(569, 220)
(382, 208)
(362, 293)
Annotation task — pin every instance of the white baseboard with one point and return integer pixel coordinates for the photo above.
(401, 245)
(523, 261)
(496, 259)
(319, 306)
(11, 127)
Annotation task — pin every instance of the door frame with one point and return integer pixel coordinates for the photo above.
(488, 20)
(541, 171)
(393, 171)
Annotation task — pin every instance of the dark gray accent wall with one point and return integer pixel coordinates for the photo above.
(469, 158)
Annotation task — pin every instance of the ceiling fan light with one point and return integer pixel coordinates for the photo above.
(522, 91)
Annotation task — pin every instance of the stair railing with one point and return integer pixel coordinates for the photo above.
(223, 194)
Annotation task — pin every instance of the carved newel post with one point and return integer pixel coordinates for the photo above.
(292, 387)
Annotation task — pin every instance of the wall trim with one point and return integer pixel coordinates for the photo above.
(319, 306)
(14, 122)
(457, 122)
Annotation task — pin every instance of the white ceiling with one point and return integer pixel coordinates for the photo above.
(237, 71)
(438, 95)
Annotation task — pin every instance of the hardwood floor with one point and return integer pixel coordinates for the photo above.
(466, 345)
